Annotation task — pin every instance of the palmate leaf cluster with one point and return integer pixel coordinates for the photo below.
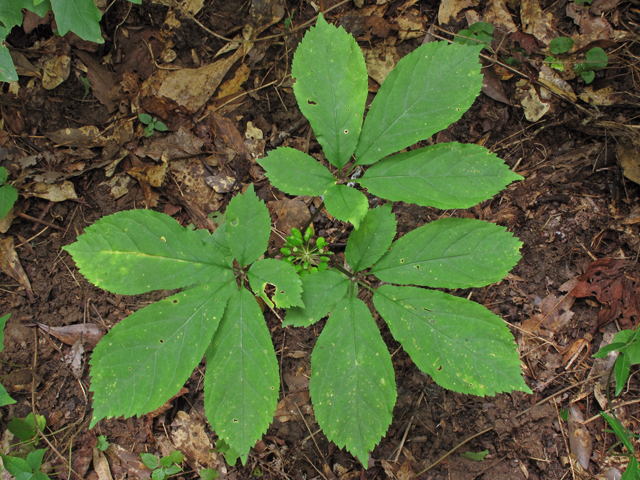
(145, 359)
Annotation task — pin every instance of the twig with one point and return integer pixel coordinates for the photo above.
(37, 220)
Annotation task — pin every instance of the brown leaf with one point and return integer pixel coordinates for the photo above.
(579, 437)
(614, 283)
(629, 158)
(151, 174)
(497, 14)
(492, 86)
(189, 435)
(449, 9)
(536, 22)
(176, 145)
(56, 70)
(104, 84)
(10, 264)
(88, 137)
(56, 192)
(89, 333)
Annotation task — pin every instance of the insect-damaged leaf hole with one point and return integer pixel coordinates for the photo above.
(311, 102)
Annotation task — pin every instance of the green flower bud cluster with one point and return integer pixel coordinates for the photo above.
(305, 258)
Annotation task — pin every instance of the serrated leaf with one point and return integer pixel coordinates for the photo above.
(461, 344)
(331, 88)
(283, 276)
(352, 383)
(138, 251)
(450, 253)
(39, 8)
(219, 239)
(241, 382)
(7, 69)
(446, 175)
(427, 91)
(372, 239)
(146, 358)
(11, 13)
(82, 17)
(248, 226)
(284, 165)
(8, 197)
(346, 204)
(321, 292)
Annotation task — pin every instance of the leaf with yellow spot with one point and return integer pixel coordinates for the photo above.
(352, 381)
(461, 344)
(145, 359)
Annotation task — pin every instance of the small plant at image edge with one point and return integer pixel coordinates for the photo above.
(103, 443)
(305, 258)
(81, 17)
(462, 345)
(558, 46)
(26, 429)
(627, 344)
(151, 124)
(26, 469)
(5, 399)
(595, 59)
(165, 467)
(8, 194)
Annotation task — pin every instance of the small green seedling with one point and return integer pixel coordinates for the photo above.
(87, 86)
(475, 456)
(26, 429)
(477, 33)
(627, 344)
(164, 467)
(558, 46)
(152, 124)
(304, 257)
(5, 399)
(595, 59)
(230, 454)
(8, 194)
(28, 469)
(103, 443)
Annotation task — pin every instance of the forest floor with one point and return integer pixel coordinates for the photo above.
(76, 151)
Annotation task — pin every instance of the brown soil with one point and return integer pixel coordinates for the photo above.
(570, 209)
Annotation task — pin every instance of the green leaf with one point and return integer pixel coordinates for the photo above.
(595, 59)
(8, 197)
(284, 166)
(346, 204)
(103, 443)
(208, 474)
(331, 88)
(621, 372)
(248, 227)
(176, 457)
(461, 344)
(160, 126)
(352, 383)
(3, 175)
(630, 340)
(604, 351)
(560, 45)
(22, 429)
(219, 239)
(450, 253)
(5, 399)
(427, 91)
(11, 13)
(620, 431)
(283, 276)
(475, 456)
(588, 77)
(241, 382)
(16, 466)
(145, 359)
(7, 69)
(159, 474)
(150, 460)
(321, 292)
(40, 8)
(82, 17)
(138, 251)
(3, 323)
(372, 239)
(446, 176)
(34, 459)
(145, 118)
(633, 470)
(172, 470)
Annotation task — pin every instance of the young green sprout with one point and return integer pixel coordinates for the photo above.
(304, 257)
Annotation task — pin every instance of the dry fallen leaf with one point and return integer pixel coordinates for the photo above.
(10, 264)
(579, 437)
(89, 333)
(497, 14)
(380, 61)
(100, 465)
(175, 145)
(56, 70)
(449, 9)
(534, 108)
(628, 154)
(189, 435)
(536, 22)
(87, 137)
(56, 192)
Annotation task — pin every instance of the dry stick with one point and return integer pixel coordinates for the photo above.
(37, 220)
(404, 439)
(33, 403)
(564, 438)
(544, 400)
